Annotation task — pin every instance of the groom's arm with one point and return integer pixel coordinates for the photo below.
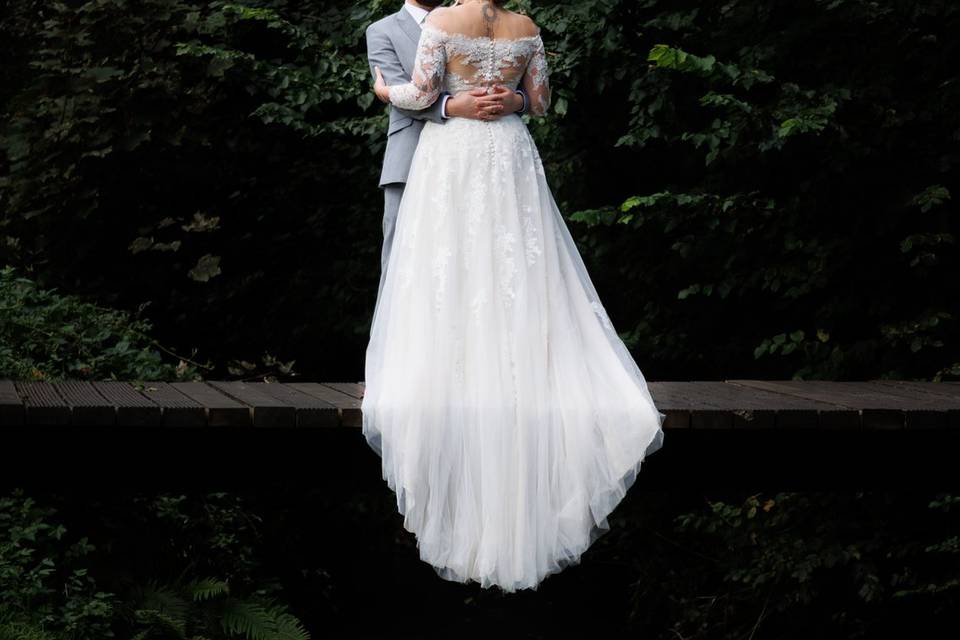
(381, 53)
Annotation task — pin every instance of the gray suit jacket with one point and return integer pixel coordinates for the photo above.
(392, 46)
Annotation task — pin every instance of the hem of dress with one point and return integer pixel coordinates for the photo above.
(601, 505)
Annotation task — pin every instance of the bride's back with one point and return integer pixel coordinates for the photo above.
(485, 44)
(483, 20)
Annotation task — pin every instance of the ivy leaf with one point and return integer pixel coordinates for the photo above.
(561, 106)
(103, 74)
(207, 267)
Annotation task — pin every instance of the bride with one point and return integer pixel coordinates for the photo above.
(509, 415)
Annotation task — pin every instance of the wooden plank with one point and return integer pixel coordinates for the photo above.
(948, 395)
(757, 409)
(176, 409)
(679, 398)
(221, 409)
(668, 400)
(87, 406)
(915, 411)
(347, 406)
(133, 410)
(920, 396)
(311, 411)
(937, 389)
(352, 389)
(12, 412)
(743, 411)
(928, 410)
(265, 410)
(878, 410)
(42, 404)
(794, 410)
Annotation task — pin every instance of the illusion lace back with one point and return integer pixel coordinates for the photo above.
(456, 62)
(509, 415)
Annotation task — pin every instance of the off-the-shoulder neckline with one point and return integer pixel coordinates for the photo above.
(449, 34)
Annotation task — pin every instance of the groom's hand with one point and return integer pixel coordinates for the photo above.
(477, 104)
(501, 102)
(467, 105)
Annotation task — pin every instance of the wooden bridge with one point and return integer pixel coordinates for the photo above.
(731, 404)
(878, 431)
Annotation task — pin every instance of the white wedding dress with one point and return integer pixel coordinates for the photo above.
(509, 415)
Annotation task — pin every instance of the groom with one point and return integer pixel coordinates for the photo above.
(392, 46)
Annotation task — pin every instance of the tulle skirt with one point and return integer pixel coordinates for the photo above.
(509, 415)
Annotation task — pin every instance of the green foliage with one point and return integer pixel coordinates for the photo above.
(204, 535)
(217, 531)
(835, 265)
(22, 631)
(48, 336)
(838, 564)
(942, 552)
(46, 590)
(808, 564)
(49, 583)
(205, 609)
(168, 131)
(783, 168)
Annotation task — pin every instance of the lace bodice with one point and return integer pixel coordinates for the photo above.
(456, 62)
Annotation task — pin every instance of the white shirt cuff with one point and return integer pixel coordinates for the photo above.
(523, 94)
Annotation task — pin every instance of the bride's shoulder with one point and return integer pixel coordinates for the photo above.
(443, 18)
(523, 24)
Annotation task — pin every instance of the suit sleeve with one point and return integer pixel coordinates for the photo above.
(381, 53)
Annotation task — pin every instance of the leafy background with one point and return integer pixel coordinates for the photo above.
(282, 562)
(759, 189)
(188, 190)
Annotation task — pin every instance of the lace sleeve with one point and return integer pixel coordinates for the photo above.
(536, 80)
(428, 69)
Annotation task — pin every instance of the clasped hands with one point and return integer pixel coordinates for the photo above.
(480, 105)
(475, 104)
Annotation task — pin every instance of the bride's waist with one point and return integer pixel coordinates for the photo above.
(511, 121)
(465, 136)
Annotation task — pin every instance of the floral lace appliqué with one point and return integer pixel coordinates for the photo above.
(457, 62)
(440, 262)
(536, 81)
(428, 68)
(530, 242)
(506, 242)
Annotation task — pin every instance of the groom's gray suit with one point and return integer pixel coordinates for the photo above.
(392, 46)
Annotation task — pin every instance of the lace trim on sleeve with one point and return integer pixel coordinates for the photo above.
(428, 70)
(537, 80)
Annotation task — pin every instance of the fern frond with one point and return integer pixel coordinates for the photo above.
(163, 599)
(207, 588)
(289, 627)
(249, 619)
(160, 620)
(23, 631)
